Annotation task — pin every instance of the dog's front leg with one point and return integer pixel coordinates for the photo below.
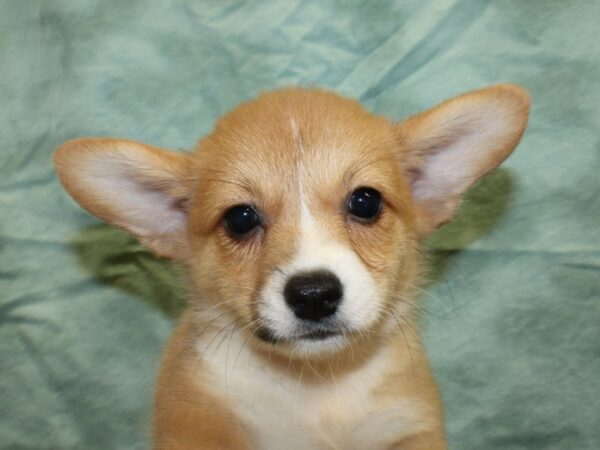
(188, 416)
(195, 424)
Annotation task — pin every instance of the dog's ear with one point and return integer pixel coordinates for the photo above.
(135, 186)
(446, 149)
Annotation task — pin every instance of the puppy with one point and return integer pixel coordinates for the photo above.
(298, 221)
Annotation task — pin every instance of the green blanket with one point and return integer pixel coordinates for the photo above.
(513, 311)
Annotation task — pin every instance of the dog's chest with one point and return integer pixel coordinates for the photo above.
(283, 412)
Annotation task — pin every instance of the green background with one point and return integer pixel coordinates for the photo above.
(513, 310)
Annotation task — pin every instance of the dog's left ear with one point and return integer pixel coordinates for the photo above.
(446, 149)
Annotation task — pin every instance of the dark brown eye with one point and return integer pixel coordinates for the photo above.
(365, 203)
(241, 219)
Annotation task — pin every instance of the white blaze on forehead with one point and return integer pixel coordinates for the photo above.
(317, 249)
(299, 147)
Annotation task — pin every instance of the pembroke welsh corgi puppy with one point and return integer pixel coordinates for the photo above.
(298, 221)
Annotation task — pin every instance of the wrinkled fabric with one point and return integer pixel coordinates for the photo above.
(511, 317)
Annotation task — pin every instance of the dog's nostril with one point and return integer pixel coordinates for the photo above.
(313, 295)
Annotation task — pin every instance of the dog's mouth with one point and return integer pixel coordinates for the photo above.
(319, 334)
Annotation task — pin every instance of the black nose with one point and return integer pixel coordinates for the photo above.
(313, 295)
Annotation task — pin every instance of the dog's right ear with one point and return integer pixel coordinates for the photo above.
(135, 186)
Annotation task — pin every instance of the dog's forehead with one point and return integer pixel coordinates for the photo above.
(280, 134)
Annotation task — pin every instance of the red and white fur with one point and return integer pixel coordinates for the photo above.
(296, 155)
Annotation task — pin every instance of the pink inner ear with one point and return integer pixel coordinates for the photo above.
(413, 174)
(181, 204)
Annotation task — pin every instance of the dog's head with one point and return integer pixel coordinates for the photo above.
(300, 214)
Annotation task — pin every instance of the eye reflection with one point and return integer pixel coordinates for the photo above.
(240, 220)
(365, 203)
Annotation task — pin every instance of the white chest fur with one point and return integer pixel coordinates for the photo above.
(309, 410)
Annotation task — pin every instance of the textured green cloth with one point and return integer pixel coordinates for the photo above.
(512, 319)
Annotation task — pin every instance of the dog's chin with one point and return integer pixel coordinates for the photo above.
(321, 347)
(317, 343)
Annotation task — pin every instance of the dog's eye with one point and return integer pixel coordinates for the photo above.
(365, 203)
(241, 219)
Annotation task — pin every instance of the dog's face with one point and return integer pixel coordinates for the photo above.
(303, 220)
(301, 212)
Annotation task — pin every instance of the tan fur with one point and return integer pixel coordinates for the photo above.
(222, 388)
